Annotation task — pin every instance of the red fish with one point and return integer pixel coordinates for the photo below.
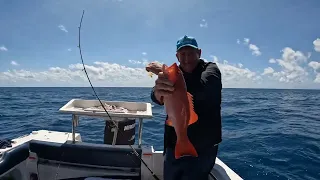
(180, 110)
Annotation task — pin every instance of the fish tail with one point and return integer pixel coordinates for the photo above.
(185, 148)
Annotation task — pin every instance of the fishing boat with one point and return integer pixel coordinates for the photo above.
(51, 155)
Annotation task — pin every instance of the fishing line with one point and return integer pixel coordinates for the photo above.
(213, 177)
(56, 176)
(114, 123)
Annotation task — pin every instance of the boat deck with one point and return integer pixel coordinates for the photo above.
(154, 159)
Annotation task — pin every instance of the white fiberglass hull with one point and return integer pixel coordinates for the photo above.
(64, 168)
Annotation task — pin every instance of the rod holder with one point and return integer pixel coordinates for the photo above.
(75, 123)
(115, 133)
(140, 133)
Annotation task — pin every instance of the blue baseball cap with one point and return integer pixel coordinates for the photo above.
(187, 41)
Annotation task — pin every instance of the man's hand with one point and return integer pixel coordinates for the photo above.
(163, 86)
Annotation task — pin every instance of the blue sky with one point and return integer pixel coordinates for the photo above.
(38, 40)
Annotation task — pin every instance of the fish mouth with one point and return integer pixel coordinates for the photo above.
(154, 68)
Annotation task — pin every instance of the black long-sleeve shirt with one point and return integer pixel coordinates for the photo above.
(204, 83)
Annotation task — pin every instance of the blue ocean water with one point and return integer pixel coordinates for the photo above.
(267, 134)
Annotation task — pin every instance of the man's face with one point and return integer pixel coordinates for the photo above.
(188, 58)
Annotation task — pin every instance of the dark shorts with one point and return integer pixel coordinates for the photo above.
(187, 168)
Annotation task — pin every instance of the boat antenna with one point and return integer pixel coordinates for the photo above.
(115, 124)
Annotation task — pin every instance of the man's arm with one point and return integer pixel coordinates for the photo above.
(211, 84)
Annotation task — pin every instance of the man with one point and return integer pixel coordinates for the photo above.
(203, 81)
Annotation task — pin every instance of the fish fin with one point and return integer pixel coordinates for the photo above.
(169, 122)
(193, 114)
(185, 148)
(172, 72)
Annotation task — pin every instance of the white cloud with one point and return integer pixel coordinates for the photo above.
(144, 53)
(316, 44)
(134, 61)
(246, 41)
(112, 74)
(143, 62)
(272, 61)
(101, 74)
(255, 50)
(294, 71)
(3, 48)
(14, 63)
(317, 80)
(69, 49)
(291, 67)
(290, 55)
(204, 24)
(214, 58)
(62, 28)
(268, 70)
(236, 75)
(309, 55)
(315, 65)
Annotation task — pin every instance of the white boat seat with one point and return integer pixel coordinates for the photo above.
(101, 155)
(13, 157)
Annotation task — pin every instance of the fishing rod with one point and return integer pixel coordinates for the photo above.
(114, 123)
